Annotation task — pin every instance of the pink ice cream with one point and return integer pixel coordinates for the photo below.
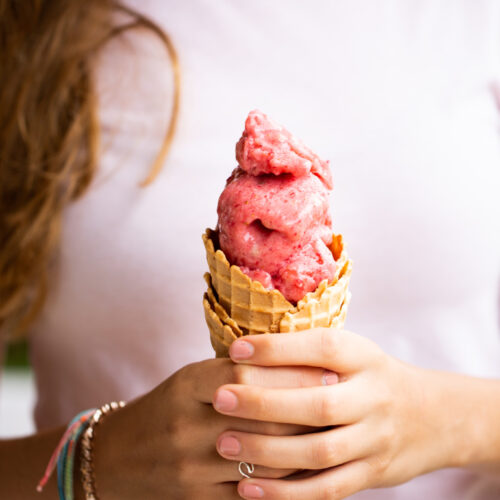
(274, 215)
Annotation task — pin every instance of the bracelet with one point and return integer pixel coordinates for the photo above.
(86, 443)
(63, 457)
(66, 459)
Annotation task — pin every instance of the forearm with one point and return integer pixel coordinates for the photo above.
(468, 412)
(23, 462)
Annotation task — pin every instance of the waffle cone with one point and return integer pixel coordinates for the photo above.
(235, 305)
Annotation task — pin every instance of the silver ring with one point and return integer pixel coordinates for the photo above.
(250, 468)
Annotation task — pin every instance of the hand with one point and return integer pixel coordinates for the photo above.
(163, 444)
(382, 429)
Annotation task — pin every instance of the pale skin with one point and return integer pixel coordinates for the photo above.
(381, 423)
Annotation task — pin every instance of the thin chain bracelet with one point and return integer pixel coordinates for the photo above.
(86, 444)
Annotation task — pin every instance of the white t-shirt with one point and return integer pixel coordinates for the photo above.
(399, 96)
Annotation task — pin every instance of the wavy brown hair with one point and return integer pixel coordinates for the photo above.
(49, 132)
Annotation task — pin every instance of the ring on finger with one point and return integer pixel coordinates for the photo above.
(249, 469)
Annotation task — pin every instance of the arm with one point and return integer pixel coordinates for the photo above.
(388, 421)
(23, 462)
(468, 410)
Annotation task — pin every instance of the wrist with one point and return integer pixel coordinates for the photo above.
(480, 405)
(98, 474)
(463, 414)
(106, 455)
(445, 419)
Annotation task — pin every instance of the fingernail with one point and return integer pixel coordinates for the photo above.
(229, 446)
(252, 491)
(330, 378)
(241, 350)
(225, 401)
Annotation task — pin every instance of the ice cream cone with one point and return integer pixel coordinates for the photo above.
(235, 305)
(221, 335)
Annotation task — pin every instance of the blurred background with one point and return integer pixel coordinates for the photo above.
(17, 394)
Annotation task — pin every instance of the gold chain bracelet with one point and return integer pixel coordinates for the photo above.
(86, 444)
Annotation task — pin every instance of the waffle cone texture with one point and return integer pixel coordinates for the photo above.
(235, 305)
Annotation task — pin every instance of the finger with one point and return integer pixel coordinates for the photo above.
(223, 470)
(199, 436)
(264, 428)
(282, 377)
(207, 376)
(320, 450)
(214, 424)
(230, 471)
(336, 350)
(316, 406)
(195, 437)
(197, 458)
(333, 484)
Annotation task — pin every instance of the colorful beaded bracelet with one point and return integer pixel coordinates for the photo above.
(82, 426)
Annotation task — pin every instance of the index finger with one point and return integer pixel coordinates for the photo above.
(336, 350)
(209, 375)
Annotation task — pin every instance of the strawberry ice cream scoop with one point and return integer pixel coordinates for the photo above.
(274, 214)
(267, 148)
(266, 220)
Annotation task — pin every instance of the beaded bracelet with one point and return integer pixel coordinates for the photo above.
(86, 444)
(63, 456)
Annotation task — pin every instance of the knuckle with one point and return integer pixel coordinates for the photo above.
(367, 477)
(176, 432)
(384, 401)
(387, 434)
(269, 345)
(240, 374)
(170, 387)
(181, 383)
(274, 429)
(261, 405)
(185, 470)
(190, 371)
(323, 454)
(328, 341)
(326, 409)
(342, 452)
(378, 466)
(331, 492)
